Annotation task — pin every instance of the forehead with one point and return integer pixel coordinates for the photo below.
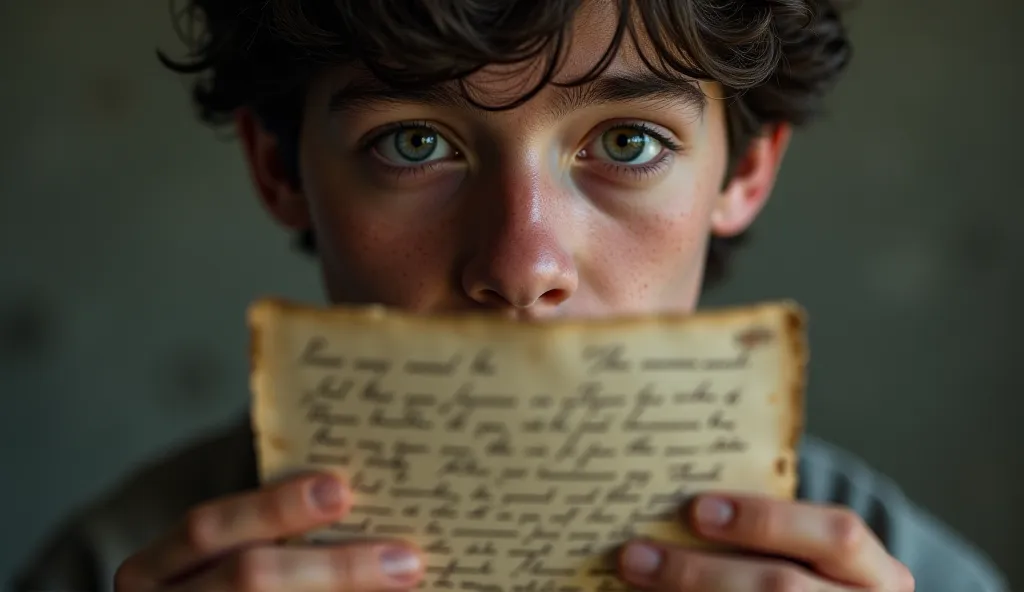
(590, 40)
(590, 44)
(592, 34)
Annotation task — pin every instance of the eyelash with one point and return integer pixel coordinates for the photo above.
(403, 172)
(646, 170)
(638, 171)
(649, 130)
(397, 127)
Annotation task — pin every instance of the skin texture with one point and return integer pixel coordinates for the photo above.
(529, 217)
(527, 214)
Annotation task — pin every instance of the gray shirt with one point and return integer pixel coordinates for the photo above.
(87, 552)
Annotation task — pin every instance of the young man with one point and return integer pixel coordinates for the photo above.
(538, 158)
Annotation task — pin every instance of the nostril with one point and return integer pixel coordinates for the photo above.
(556, 296)
(492, 297)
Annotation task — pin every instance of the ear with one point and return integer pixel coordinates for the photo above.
(752, 182)
(278, 192)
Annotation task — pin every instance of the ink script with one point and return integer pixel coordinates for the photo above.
(519, 456)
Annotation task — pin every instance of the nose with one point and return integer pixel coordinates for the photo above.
(522, 256)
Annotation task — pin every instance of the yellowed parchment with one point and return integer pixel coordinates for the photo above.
(518, 455)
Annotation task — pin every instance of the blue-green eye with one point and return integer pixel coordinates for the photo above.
(628, 145)
(413, 145)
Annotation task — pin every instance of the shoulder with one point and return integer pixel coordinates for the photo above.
(940, 560)
(86, 551)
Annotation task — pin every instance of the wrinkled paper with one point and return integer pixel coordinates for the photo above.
(519, 455)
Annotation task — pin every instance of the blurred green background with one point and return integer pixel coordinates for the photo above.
(130, 244)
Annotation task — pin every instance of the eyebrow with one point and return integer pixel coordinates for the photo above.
(642, 88)
(362, 94)
(646, 88)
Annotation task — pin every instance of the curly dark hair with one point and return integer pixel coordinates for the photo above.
(776, 59)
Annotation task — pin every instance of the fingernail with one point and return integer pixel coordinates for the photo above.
(327, 494)
(714, 511)
(399, 563)
(641, 560)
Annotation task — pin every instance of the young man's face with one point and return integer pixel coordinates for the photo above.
(585, 201)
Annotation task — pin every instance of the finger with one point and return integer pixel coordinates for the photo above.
(658, 568)
(285, 509)
(376, 567)
(833, 540)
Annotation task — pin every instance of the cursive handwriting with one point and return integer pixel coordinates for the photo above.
(519, 475)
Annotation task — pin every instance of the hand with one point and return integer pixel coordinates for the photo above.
(800, 547)
(228, 544)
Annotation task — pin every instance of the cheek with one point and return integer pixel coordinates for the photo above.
(653, 259)
(375, 251)
(365, 260)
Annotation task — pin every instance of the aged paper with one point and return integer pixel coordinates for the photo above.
(519, 454)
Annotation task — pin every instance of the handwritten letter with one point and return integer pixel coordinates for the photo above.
(519, 455)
